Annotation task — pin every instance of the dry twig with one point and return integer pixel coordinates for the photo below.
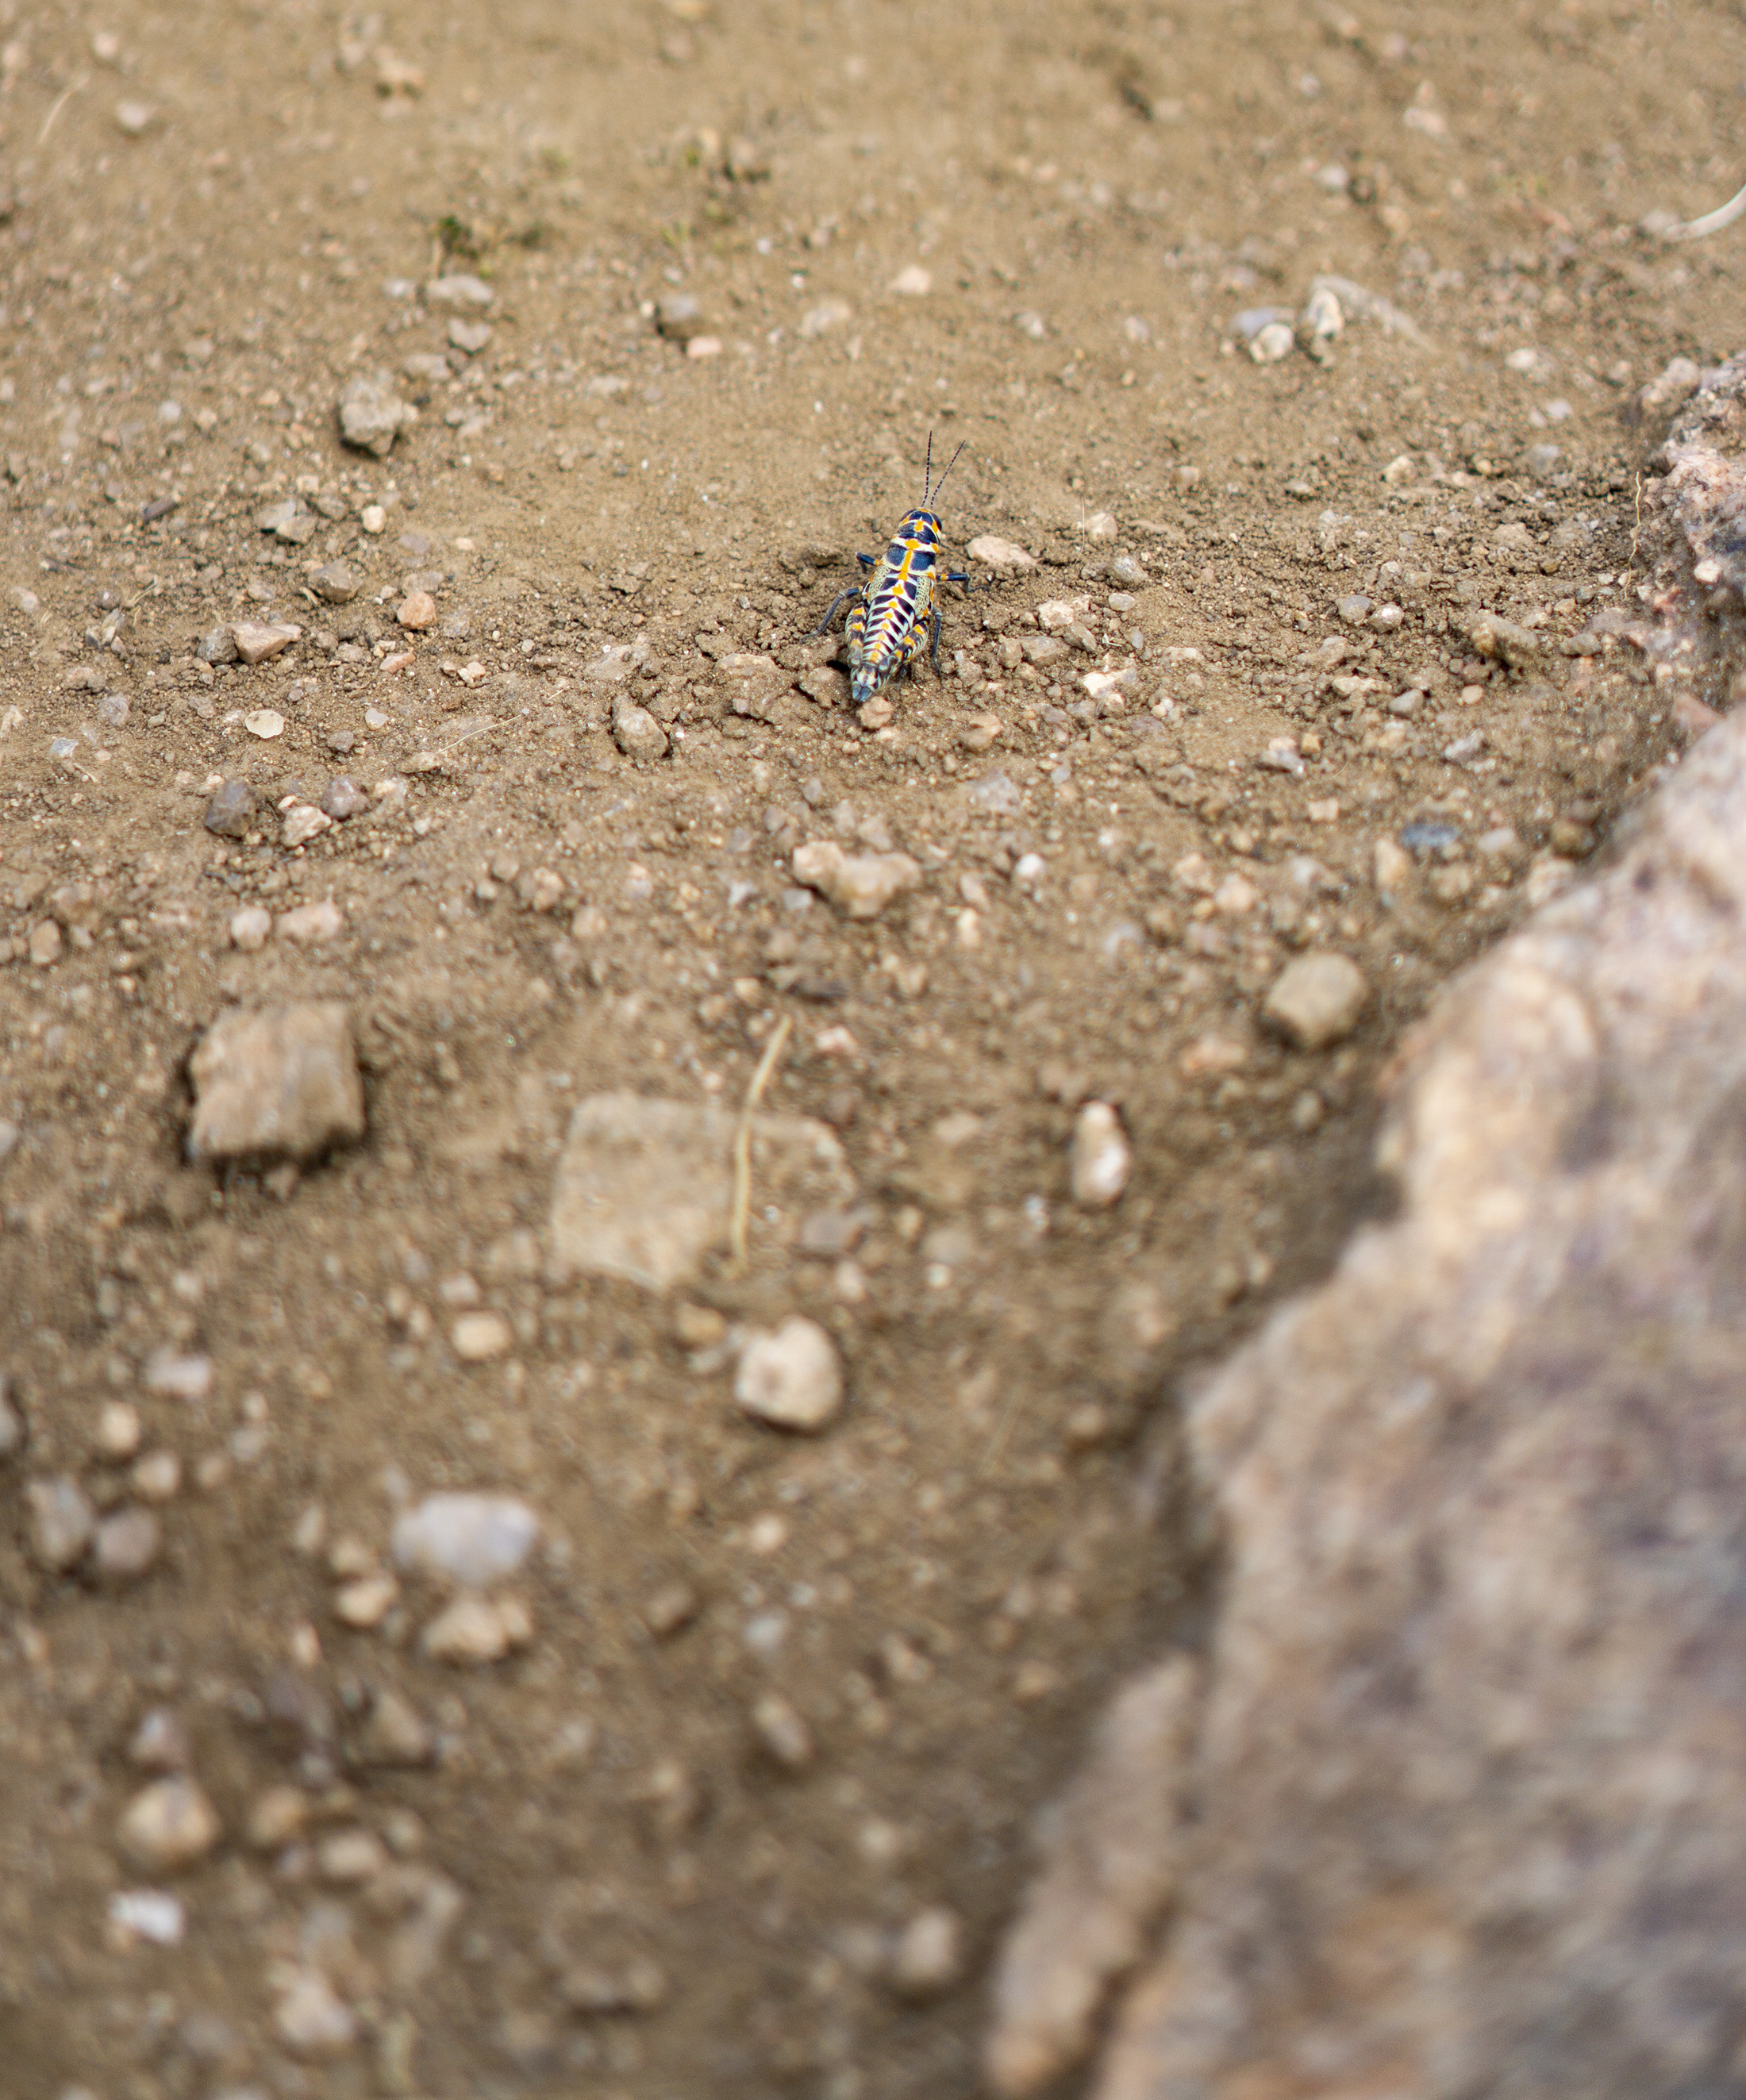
(761, 1079)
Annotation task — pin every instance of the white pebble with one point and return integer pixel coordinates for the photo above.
(265, 722)
(170, 1825)
(478, 1337)
(250, 927)
(468, 1538)
(792, 1378)
(1102, 1159)
(929, 1957)
(148, 1914)
(118, 1429)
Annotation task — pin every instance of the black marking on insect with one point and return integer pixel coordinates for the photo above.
(891, 614)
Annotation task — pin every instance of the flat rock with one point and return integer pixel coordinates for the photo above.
(1449, 1799)
(1004, 555)
(644, 1187)
(372, 413)
(281, 1083)
(256, 640)
(860, 885)
(1317, 999)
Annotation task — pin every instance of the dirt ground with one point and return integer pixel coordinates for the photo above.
(609, 1863)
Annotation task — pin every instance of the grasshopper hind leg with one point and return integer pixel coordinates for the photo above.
(854, 590)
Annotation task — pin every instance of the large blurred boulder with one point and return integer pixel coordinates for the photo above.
(1453, 1801)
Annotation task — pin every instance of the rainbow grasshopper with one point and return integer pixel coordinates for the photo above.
(893, 616)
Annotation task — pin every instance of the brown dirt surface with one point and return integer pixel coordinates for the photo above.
(771, 1702)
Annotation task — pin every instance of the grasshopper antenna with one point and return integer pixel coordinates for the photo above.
(930, 488)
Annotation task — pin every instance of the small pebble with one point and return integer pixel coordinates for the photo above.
(479, 1337)
(418, 609)
(342, 798)
(231, 813)
(469, 336)
(473, 1630)
(169, 1826)
(309, 924)
(257, 643)
(151, 1914)
(671, 1610)
(160, 1744)
(372, 413)
(250, 927)
(373, 519)
(337, 582)
(394, 1737)
(366, 1603)
(304, 821)
(929, 1957)
(45, 945)
(1101, 1160)
(312, 2020)
(158, 1477)
(791, 1378)
(127, 1545)
(62, 1522)
(782, 1732)
(346, 1858)
(474, 1539)
(635, 732)
(117, 1430)
(1317, 999)
(277, 1818)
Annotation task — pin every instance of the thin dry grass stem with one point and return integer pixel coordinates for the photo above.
(761, 1079)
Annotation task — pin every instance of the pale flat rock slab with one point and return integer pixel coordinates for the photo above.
(281, 1083)
(256, 641)
(1460, 1808)
(645, 1188)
